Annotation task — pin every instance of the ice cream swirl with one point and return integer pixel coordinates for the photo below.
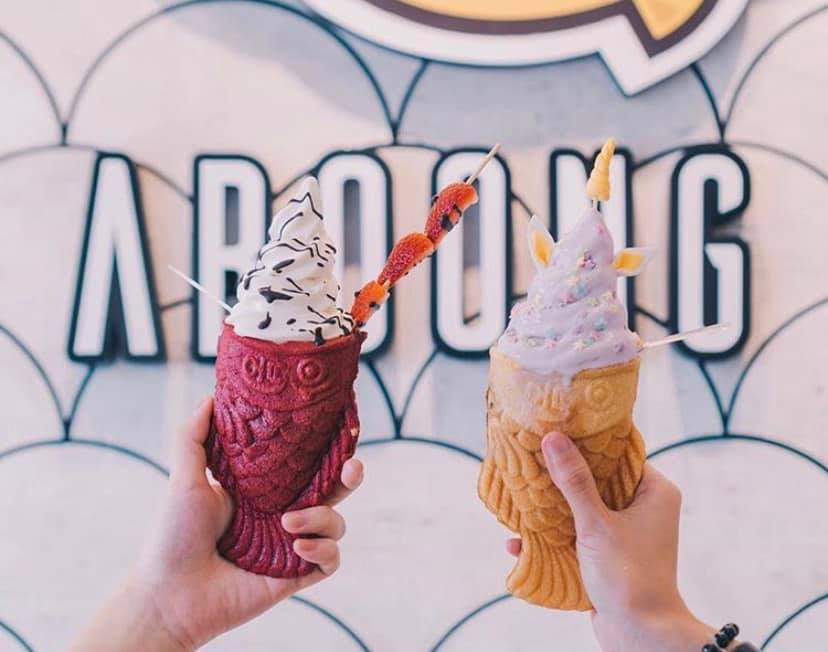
(291, 292)
(572, 318)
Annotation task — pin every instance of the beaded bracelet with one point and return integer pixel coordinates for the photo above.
(724, 637)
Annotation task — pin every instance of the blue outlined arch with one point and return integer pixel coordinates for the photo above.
(784, 154)
(761, 349)
(760, 56)
(469, 616)
(730, 437)
(16, 636)
(334, 619)
(41, 80)
(275, 4)
(92, 443)
(711, 98)
(39, 369)
(428, 441)
(145, 167)
(793, 617)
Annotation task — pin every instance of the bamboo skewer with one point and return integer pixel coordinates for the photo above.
(486, 160)
(678, 337)
(199, 287)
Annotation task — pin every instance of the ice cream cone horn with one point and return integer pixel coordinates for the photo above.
(679, 337)
(198, 286)
(598, 185)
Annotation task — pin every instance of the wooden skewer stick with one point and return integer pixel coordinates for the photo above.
(494, 150)
(678, 337)
(199, 287)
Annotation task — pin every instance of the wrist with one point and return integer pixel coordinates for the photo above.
(132, 620)
(168, 635)
(676, 630)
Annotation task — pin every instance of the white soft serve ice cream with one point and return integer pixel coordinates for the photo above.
(572, 318)
(291, 293)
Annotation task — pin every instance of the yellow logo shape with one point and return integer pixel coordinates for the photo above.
(662, 17)
(641, 41)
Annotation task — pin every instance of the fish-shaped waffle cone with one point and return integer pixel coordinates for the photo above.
(595, 411)
(284, 423)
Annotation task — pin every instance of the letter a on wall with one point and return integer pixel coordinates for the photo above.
(115, 308)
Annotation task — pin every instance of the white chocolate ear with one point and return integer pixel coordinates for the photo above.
(631, 261)
(541, 243)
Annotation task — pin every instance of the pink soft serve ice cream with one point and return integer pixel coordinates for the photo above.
(572, 318)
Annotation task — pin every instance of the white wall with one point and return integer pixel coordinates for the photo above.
(422, 553)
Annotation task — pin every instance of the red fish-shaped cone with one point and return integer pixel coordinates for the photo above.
(284, 423)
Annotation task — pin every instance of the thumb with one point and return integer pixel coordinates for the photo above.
(571, 474)
(190, 458)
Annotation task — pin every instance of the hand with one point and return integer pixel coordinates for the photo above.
(628, 558)
(183, 593)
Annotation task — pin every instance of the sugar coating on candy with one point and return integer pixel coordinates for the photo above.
(449, 206)
(409, 252)
(367, 301)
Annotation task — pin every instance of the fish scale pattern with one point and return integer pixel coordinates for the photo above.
(54, 121)
(285, 422)
(596, 411)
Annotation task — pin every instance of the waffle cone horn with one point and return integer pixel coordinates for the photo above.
(595, 410)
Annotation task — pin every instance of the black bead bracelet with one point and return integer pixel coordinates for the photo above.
(724, 637)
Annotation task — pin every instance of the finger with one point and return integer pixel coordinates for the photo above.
(572, 476)
(514, 546)
(351, 477)
(321, 521)
(654, 488)
(190, 458)
(224, 513)
(322, 552)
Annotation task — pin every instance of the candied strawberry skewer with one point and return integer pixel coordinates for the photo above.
(412, 249)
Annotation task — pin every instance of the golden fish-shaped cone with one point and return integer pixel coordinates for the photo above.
(598, 185)
(595, 410)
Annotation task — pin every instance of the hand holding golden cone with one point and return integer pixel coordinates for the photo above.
(594, 409)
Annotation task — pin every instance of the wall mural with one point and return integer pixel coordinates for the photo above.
(171, 133)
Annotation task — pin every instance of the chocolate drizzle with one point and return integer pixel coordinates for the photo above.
(297, 288)
(309, 197)
(248, 276)
(272, 295)
(289, 282)
(312, 249)
(342, 320)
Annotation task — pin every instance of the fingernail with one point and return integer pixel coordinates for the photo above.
(292, 521)
(304, 545)
(557, 444)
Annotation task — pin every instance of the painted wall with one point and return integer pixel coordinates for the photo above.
(83, 447)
